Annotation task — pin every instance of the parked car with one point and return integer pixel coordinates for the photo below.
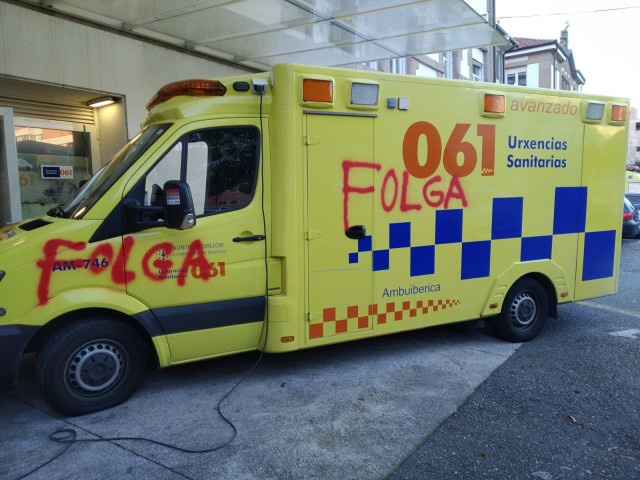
(630, 220)
(634, 198)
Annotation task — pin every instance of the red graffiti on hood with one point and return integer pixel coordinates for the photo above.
(50, 262)
(47, 263)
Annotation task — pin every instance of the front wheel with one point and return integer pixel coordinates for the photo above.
(524, 312)
(91, 365)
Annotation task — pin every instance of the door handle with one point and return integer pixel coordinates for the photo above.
(356, 231)
(252, 238)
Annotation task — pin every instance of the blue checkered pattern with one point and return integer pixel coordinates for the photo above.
(569, 217)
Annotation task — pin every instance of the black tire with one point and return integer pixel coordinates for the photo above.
(91, 365)
(524, 312)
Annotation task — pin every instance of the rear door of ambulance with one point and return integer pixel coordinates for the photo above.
(602, 183)
(340, 177)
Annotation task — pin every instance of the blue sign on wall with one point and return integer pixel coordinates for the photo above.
(54, 172)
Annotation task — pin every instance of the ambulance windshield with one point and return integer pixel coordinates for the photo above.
(104, 179)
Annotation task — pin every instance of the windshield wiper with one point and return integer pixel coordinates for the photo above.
(57, 211)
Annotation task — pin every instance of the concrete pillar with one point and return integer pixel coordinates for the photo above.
(10, 211)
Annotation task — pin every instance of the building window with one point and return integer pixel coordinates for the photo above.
(477, 72)
(498, 64)
(518, 78)
(448, 67)
(464, 69)
(398, 65)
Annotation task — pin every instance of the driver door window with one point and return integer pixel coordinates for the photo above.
(220, 165)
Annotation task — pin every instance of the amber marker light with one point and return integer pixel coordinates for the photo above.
(286, 339)
(494, 103)
(192, 88)
(317, 90)
(618, 113)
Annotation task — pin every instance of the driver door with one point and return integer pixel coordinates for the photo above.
(205, 285)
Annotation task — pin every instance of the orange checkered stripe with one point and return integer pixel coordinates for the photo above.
(391, 311)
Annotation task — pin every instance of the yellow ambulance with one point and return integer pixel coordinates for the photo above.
(309, 206)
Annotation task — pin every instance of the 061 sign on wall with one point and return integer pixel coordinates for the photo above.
(53, 172)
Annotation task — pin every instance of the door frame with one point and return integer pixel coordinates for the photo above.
(11, 211)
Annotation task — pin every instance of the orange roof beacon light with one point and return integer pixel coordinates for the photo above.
(314, 90)
(192, 88)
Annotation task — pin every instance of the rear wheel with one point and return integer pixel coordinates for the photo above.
(91, 365)
(524, 312)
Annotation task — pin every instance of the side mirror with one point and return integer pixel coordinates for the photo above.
(178, 206)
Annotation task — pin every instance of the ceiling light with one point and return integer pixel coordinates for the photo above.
(101, 102)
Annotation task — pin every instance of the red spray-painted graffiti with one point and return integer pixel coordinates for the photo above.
(102, 258)
(347, 188)
(459, 158)
(195, 262)
(48, 263)
(391, 188)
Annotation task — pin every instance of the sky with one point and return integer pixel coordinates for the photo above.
(604, 37)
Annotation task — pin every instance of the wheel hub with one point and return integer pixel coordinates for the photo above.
(523, 310)
(95, 367)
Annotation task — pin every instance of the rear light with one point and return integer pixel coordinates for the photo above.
(627, 216)
(192, 88)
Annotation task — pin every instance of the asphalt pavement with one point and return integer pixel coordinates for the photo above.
(449, 402)
(565, 406)
(345, 411)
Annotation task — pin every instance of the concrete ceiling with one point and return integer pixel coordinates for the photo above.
(261, 33)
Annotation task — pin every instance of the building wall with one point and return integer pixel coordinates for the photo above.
(43, 47)
(58, 63)
(552, 68)
(543, 62)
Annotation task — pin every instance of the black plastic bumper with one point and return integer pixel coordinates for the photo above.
(13, 340)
